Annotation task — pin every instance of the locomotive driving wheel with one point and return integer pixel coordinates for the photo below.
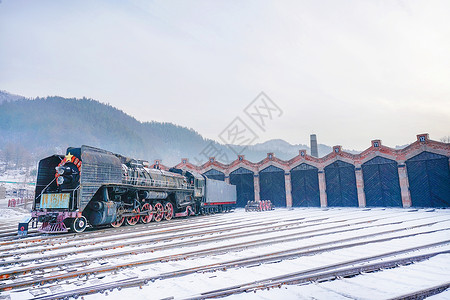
(149, 216)
(131, 221)
(159, 214)
(79, 224)
(118, 222)
(168, 213)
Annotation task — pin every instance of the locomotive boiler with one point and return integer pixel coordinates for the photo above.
(93, 187)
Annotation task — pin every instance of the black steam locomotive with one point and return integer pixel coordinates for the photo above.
(90, 186)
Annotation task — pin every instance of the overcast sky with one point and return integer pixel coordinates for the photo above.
(349, 71)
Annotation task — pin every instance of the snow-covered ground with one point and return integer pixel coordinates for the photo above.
(379, 285)
(384, 284)
(339, 226)
(12, 215)
(17, 184)
(17, 175)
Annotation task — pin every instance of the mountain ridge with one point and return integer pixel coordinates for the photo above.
(50, 124)
(5, 96)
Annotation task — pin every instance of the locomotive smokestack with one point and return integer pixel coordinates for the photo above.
(314, 150)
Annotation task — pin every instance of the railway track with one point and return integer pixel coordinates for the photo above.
(106, 231)
(316, 274)
(424, 293)
(138, 230)
(202, 221)
(63, 242)
(40, 240)
(177, 245)
(163, 259)
(54, 244)
(290, 225)
(328, 272)
(37, 237)
(313, 275)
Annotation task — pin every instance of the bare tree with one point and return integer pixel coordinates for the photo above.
(16, 155)
(8, 154)
(445, 139)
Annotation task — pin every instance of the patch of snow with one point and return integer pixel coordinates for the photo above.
(11, 215)
(431, 227)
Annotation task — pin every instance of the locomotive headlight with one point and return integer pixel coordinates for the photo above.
(60, 180)
(63, 170)
(66, 179)
(59, 170)
(66, 173)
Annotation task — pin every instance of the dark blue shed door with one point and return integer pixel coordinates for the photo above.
(214, 174)
(305, 186)
(245, 190)
(271, 186)
(429, 180)
(381, 183)
(341, 184)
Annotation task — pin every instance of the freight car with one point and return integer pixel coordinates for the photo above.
(94, 187)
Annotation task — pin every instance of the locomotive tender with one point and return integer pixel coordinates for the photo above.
(90, 186)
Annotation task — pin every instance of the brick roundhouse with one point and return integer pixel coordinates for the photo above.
(415, 176)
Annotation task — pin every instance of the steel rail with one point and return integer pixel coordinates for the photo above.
(150, 240)
(302, 276)
(223, 217)
(113, 231)
(124, 229)
(133, 251)
(286, 237)
(260, 242)
(301, 251)
(315, 274)
(290, 253)
(424, 293)
(113, 237)
(101, 231)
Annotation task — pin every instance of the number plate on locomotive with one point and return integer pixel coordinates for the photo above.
(55, 200)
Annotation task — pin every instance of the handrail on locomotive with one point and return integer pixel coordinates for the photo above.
(156, 183)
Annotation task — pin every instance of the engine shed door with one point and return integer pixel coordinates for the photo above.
(341, 184)
(243, 179)
(272, 186)
(215, 174)
(381, 183)
(429, 180)
(305, 186)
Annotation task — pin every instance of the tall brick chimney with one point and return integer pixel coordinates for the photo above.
(314, 150)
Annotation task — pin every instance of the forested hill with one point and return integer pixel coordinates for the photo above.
(35, 128)
(5, 96)
(46, 125)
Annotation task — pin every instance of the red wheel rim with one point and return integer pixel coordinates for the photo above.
(168, 214)
(118, 223)
(149, 216)
(133, 219)
(159, 214)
